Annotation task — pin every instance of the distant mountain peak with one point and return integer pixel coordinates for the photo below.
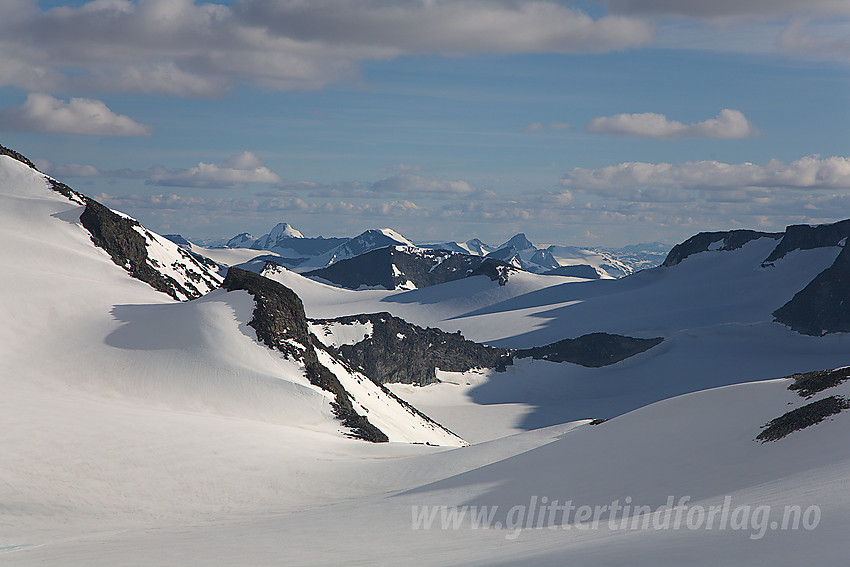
(518, 241)
(284, 230)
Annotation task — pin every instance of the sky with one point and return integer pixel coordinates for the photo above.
(596, 123)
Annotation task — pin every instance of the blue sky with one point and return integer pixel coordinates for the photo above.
(595, 123)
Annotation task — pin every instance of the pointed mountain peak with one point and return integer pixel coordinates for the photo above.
(284, 230)
(242, 240)
(520, 242)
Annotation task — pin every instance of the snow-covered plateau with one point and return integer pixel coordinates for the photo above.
(151, 417)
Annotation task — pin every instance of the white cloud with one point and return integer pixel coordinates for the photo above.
(67, 170)
(234, 172)
(811, 172)
(411, 183)
(728, 124)
(533, 127)
(828, 40)
(43, 113)
(179, 47)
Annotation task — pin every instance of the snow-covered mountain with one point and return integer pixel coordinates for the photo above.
(364, 242)
(278, 238)
(138, 429)
(285, 241)
(321, 388)
(473, 247)
(402, 267)
(306, 254)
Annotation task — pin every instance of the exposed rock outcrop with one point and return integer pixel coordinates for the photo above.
(398, 351)
(593, 350)
(823, 306)
(280, 324)
(806, 237)
(127, 243)
(800, 418)
(705, 241)
(171, 270)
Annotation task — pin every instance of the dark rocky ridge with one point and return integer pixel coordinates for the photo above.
(393, 266)
(810, 383)
(4, 151)
(401, 352)
(806, 237)
(279, 321)
(731, 239)
(127, 247)
(413, 357)
(119, 236)
(800, 418)
(593, 350)
(576, 271)
(823, 306)
(496, 270)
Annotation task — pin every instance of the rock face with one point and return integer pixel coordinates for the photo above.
(593, 350)
(810, 383)
(806, 237)
(391, 350)
(496, 270)
(400, 267)
(575, 271)
(280, 324)
(398, 351)
(146, 256)
(800, 418)
(705, 241)
(823, 306)
(4, 151)
(807, 385)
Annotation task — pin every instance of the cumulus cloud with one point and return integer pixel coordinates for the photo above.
(180, 47)
(811, 172)
(411, 183)
(67, 170)
(232, 173)
(729, 124)
(45, 114)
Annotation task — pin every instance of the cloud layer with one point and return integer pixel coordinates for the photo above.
(811, 172)
(45, 114)
(728, 124)
(178, 47)
(729, 8)
(233, 173)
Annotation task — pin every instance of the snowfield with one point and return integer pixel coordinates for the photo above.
(138, 430)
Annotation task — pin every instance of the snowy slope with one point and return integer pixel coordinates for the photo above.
(697, 449)
(139, 430)
(714, 310)
(119, 402)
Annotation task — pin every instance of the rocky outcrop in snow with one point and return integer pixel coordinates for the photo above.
(823, 306)
(593, 350)
(280, 324)
(145, 255)
(710, 241)
(807, 237)
(397, 351)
